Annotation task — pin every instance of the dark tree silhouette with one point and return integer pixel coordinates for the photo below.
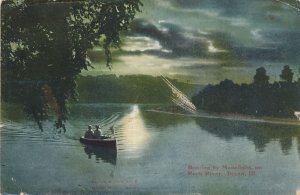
(278, 99)
(261, 79)
(287, 74)
(44, 47)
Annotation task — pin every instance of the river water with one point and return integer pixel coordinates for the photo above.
(156, 153)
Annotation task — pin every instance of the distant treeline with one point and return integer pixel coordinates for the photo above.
(260, 98)
(127, 89)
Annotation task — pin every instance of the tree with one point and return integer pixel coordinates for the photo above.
(44, 47)
(287, 74)
(261, 79)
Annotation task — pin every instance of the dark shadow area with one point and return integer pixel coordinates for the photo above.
(44, 47)
(163, 120)
(127, 89)
(104, 154)
(259, 133)
(260, 98)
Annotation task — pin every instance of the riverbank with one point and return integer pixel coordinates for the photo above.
(229, 116)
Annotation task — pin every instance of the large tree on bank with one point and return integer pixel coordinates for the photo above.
(287, 74)
(261, 79)
(44, 46)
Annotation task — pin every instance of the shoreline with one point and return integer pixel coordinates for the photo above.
(244, 118)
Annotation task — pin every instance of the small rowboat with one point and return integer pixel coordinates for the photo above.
(104, 141)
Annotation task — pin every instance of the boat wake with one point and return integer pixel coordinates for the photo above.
(110, 121)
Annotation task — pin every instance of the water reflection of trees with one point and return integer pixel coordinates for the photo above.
(259, 133)
(95, 110)
(12, 112)
(104, 154)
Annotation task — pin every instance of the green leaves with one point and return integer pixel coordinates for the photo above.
(45, 43)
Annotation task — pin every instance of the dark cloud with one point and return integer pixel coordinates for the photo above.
(249, 53)
(251, 31)
(273, 46)
(258, 10)
(213, 39)
(171, 37)
(287, 42)
(225, 7)
(187, 43)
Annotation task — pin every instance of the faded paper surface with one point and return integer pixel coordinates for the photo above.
(201, 97)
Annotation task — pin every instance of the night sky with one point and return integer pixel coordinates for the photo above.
(206, 41)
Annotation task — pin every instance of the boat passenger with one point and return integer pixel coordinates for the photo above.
(97, 132)
(89, 133)
(297, 114)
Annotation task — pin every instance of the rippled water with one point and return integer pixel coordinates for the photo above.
(154, 153)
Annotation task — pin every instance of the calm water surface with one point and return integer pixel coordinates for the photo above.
(158, 153)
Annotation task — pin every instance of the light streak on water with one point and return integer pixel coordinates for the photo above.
(132, 134)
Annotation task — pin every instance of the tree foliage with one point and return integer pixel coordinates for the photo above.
(260, 78)
(45, 44)
(287, 74)
(259, 98)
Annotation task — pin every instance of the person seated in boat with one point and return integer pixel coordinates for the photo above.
(89, 133)
(297, 114)
(97, 132)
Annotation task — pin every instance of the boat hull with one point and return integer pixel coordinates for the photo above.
(104, 142)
